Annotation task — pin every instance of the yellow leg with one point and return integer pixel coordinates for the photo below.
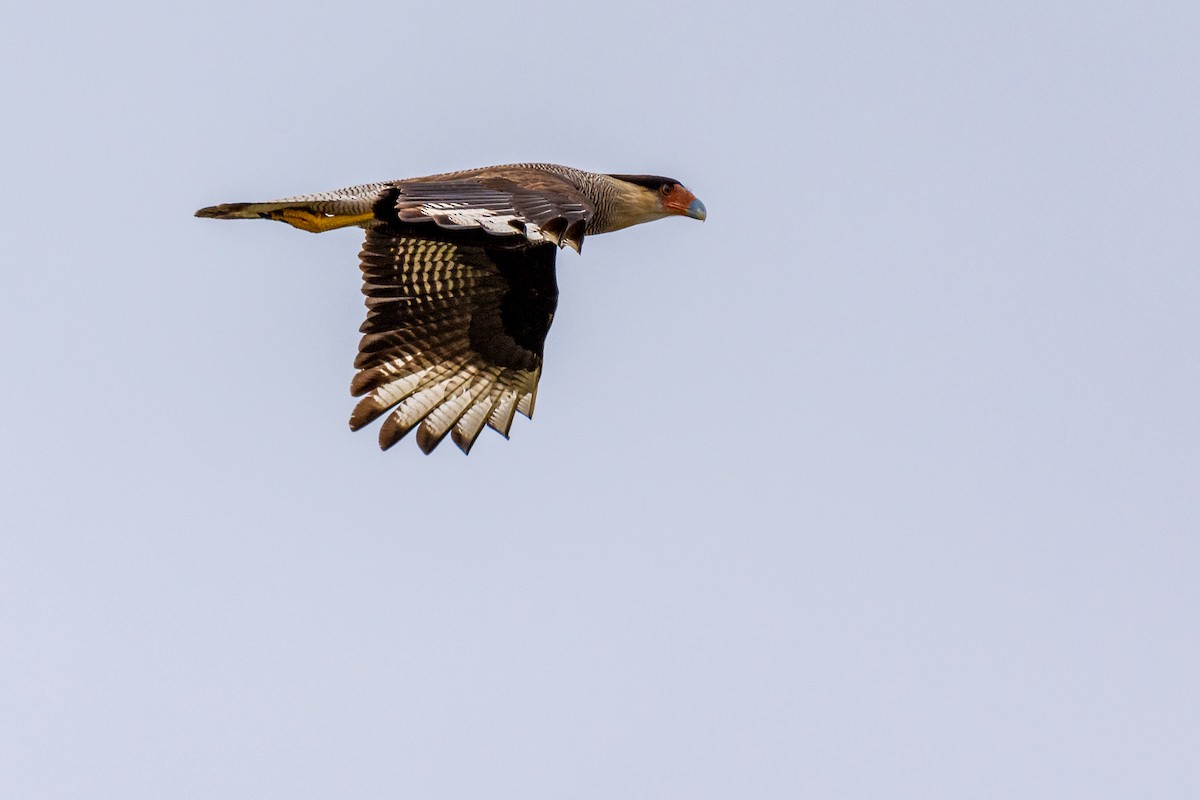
(315, 222)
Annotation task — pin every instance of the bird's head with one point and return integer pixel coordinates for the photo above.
(649, 197)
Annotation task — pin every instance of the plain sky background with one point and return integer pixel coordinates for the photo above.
(884, 482)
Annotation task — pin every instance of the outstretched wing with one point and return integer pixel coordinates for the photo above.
(454, 331)
(542, 206)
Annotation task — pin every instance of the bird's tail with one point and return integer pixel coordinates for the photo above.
(300, 215)
(240, 210)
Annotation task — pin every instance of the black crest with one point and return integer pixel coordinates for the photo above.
(651, 182)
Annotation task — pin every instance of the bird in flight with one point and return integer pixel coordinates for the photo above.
(458, 273)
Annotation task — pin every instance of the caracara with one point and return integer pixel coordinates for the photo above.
(458, 270)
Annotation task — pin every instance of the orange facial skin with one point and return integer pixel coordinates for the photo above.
(679, 200)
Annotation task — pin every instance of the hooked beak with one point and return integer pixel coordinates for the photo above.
(683, 202)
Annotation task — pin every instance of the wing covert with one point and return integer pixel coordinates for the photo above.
(546, 209)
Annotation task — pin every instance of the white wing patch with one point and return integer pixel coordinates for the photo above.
(485, 218)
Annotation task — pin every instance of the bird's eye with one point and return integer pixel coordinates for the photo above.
(665, 189)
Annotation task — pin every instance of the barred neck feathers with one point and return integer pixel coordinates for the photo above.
(619, 203)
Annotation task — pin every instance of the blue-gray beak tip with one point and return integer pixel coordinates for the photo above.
(696, 210)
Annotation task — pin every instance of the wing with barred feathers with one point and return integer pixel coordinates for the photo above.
(541, 205)
(454, 331)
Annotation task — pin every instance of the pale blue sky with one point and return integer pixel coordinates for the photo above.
(884, 482)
